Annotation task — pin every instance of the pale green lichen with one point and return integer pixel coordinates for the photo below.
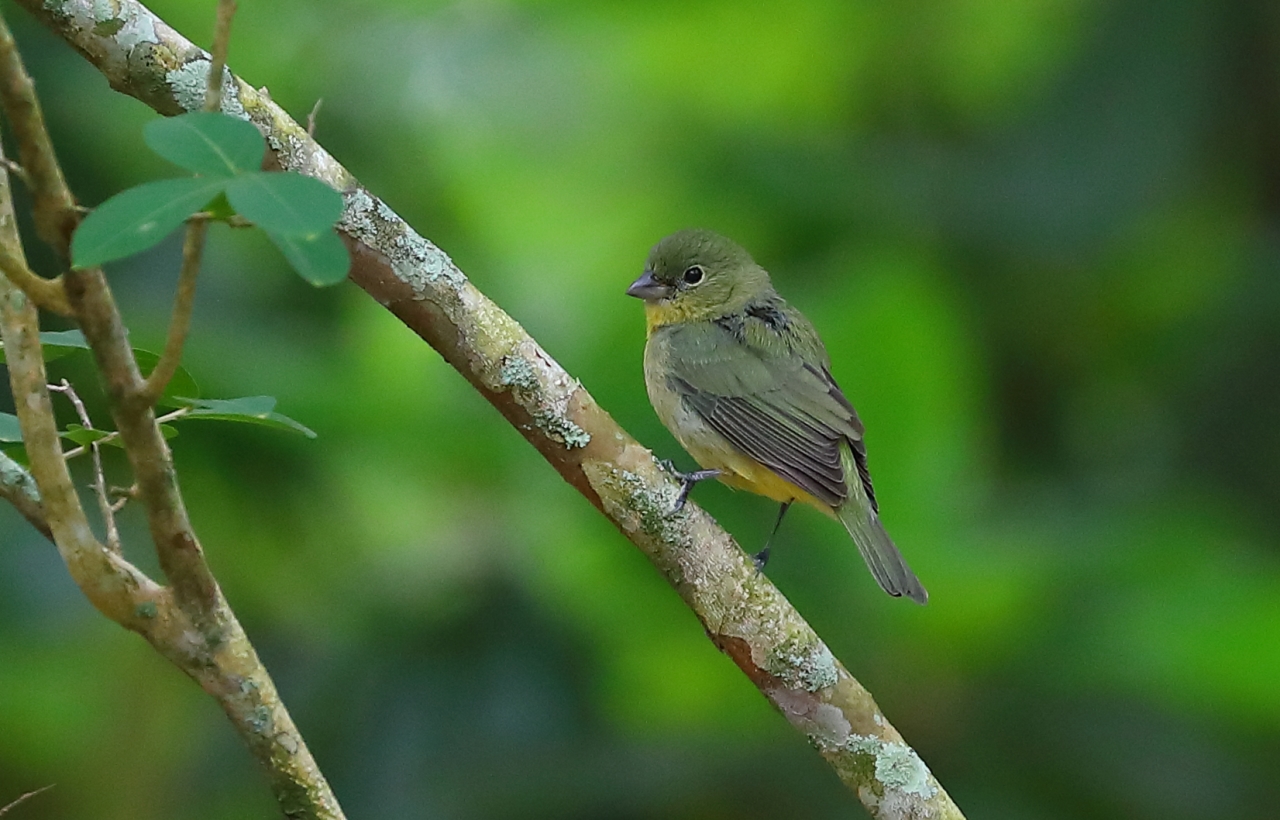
(189, 82)
(137, 27)
(103, 10)
(146, 610)
(260, 720)
(808, 664)
(518, 374)
(414, 259)
(897, 766)
(573, 435)
(13, 474)
(629, 500)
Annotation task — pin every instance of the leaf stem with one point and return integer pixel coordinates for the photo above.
(99, 478)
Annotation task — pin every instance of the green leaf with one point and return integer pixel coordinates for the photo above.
(285, 203)
(207, 142)
(219, 208)
(320, 258)
(83, 435)
(182, 383)
(138, 218)
(9, 429)
(57, 343)
(250, 409)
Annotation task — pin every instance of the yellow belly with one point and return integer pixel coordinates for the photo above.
(742, 472)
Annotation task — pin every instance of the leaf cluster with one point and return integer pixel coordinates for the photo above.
(225, 155)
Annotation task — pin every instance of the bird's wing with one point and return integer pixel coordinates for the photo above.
(764, 384)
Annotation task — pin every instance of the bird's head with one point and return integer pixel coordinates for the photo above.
(696, 274)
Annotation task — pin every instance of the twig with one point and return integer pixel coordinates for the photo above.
(18, 171)
(123, 496)
(99, 478)
(311, 118)
(55, 209)
(5, 809)
(221, 44)
(180, 323)
(114, 434)
(46, 293)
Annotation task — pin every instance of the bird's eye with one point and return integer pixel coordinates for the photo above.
(693, 274)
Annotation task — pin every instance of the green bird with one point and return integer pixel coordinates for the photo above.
(743, 382)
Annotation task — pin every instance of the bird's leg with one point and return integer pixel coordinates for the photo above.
(762, 557)
(687, 480)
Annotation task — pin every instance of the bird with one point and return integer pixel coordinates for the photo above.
(743, 382)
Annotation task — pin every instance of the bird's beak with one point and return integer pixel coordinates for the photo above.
(649, 289)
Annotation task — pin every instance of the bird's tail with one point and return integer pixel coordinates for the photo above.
(882, 557)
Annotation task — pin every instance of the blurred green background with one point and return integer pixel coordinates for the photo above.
(1041, 240)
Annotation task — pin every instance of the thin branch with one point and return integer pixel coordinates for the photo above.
(46, 293)
(18, 171)
(19, 489)
(5, 809)
(221, 45)
(180, 323)
(111, 584)
(56, 214)
(99, 477)
(311, 118)
(741, 610)
(123, 496)
(114, 434)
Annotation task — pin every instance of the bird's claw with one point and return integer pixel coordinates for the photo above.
(760, 559)
(687, 480)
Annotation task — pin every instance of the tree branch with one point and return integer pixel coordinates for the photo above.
(111, 584)
(180, 322)
(46, 293)
(743, 613)
(55, 209)
(190, 624)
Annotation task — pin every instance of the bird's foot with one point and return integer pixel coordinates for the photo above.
(761, 558)
(687, 480)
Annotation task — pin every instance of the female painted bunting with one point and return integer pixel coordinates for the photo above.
(743, 382)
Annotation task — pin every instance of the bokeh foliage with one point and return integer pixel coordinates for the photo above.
(1041, 240)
